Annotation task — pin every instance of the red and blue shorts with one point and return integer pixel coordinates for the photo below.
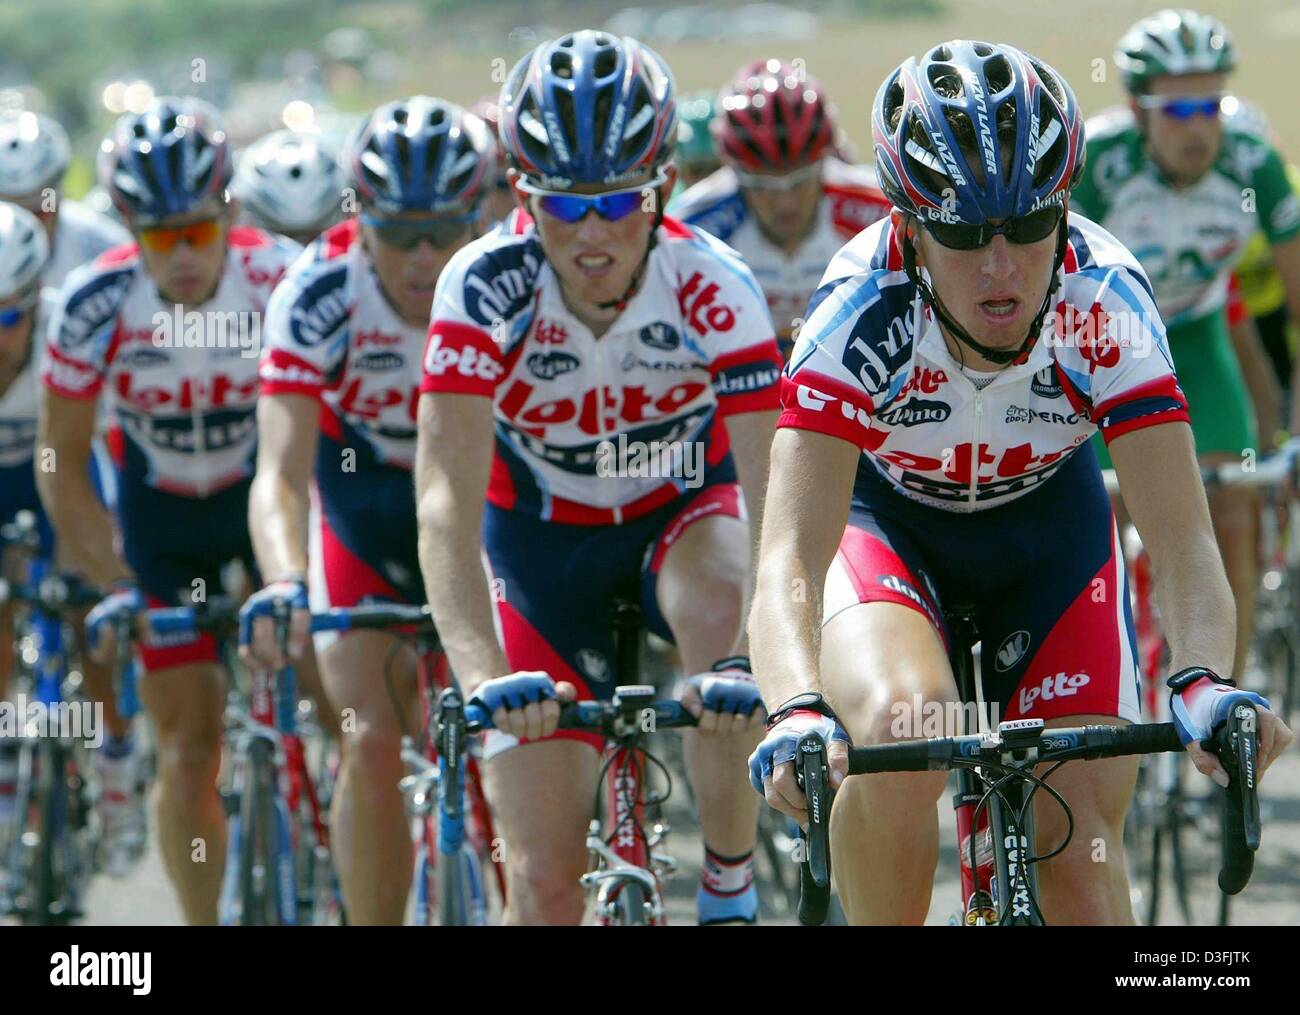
(554, 583)
(1044, 572)
(363, 538)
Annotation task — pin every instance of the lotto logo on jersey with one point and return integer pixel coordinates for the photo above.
(699, 309)
(212, 392)
(466, 361)
(1052, 687)
(596, 411)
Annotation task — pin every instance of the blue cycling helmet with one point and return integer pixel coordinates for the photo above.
(420, 154)
(1017, 113)
(588, 107)
(165, 161)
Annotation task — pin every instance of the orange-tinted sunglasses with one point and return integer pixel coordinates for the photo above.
(196, 234)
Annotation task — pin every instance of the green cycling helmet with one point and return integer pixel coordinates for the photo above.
(694, 143)
(1173, 42)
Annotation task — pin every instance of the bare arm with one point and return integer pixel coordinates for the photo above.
(278, 499)
(750, 435)
(807, 509)
(1261, 381)
(453, 457)
(1162, 489)
(66, 427)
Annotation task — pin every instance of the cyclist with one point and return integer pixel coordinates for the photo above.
(783, 200)
(340, 380)
(697, 157)
(289, 183)
(34, 154)
(25, 309)
(500, 199)
(1262, 291)
(1167, 179)
(613, 373)
(940, 401)
(169, 325)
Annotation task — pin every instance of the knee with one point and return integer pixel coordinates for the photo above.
(544, 887)
(708, 607)
(373, 748)
(188, 764)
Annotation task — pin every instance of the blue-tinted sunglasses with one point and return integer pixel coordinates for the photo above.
(612, 205)
(1184, 107)
(15, 312)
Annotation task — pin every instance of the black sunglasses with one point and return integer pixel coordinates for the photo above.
(407, 234)
(1031, 228)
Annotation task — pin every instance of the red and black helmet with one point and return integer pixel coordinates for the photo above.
(772, 117)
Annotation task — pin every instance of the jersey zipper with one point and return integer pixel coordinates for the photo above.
(600, 413)
(975, 448)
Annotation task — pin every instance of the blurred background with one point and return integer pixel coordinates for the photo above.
(319, 64)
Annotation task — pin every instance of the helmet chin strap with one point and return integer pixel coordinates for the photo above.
(993, 355)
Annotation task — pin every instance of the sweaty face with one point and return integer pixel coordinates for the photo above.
(785, 216)
(187, 274)
(1184, 149)
(596, 259)
(993, 292)
(408, 277)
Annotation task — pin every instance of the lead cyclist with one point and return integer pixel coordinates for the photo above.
(957, 358)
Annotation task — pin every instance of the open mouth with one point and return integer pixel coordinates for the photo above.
(1002, 310)
(593, 265)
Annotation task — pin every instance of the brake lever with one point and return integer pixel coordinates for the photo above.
(1237, 745)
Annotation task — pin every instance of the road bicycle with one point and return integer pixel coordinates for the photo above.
(279, 870)
(628, 859)
(997, 849)
(53, 846)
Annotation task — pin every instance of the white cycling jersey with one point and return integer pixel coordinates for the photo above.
(871, 367)
(578, 418)
(851, 201)
(80, 235)
(331, 334)
(182, 386)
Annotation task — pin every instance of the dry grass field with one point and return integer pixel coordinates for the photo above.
(851, 55)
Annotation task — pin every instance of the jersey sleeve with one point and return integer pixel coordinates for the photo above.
(1277, 204)
(81, 337)
(470, 328)
(306, 328)
(1113, 352)
(841, 361)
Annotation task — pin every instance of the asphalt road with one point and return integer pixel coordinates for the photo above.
(1273, 896)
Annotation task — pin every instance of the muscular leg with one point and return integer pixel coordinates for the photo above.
(701, 592)
(884, 828)
(186, 704)
(542, 796)
(372, 842)
(1087, 883)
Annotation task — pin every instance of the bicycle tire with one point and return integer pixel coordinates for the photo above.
(1195, 885)
(259, 901)
(46, 903)
(461, 902)
(1142, 845)
(780, 878)
(632, 906)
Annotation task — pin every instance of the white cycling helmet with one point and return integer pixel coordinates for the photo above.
(34, 152)
(24, 250)
(289, 183)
